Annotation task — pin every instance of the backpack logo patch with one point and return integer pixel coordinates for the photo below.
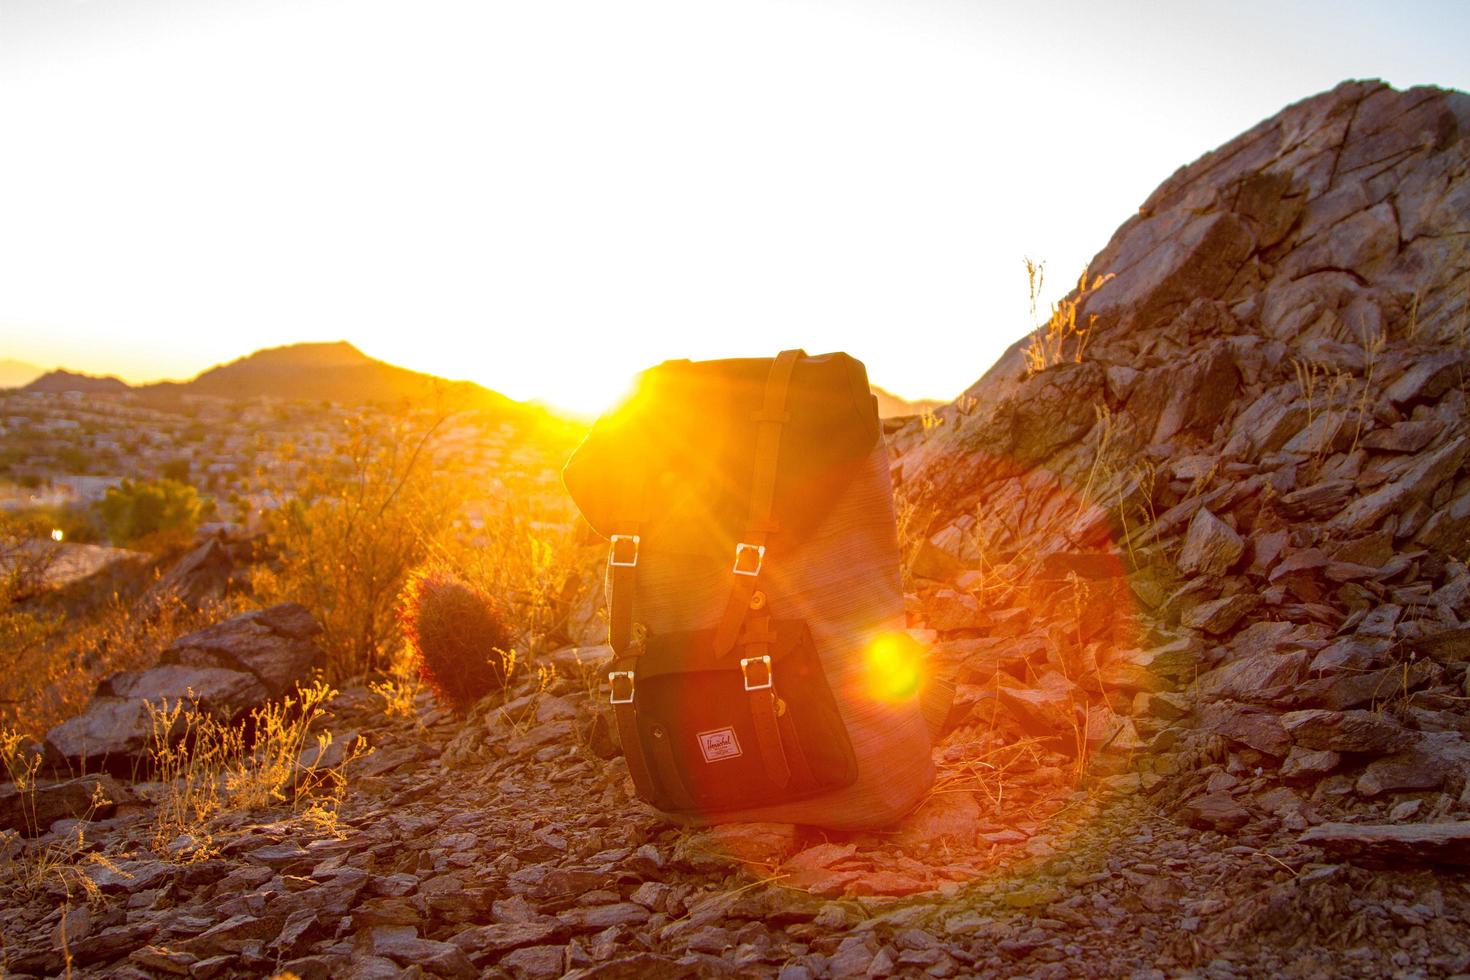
(719, 744)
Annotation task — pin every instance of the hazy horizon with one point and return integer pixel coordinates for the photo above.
(545, 198)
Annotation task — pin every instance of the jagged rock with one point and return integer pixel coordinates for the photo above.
(535, 962)
(752, 843)
(1260, 678)
(228, 691)
(33, 811)
(1259, 728)
(1345, 731)
(1350, 654)
(1220, 615)
(277, 645)
(225, 669)
(1044, 710)
(1328, 432)
(202, 574)
(1349, 690)
(231, 935)
(1414, 486)
(945, 819)
(402, 945)
(1425, 765)
(1391, 845)
(1211, 546)
(1303, 763)
(112, 731)
(1404, 437)
(1428, 378)
(1445, 645)
(482, 943)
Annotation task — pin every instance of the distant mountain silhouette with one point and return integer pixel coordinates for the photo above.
(335, 372)
(891, 406)
(14, 374)
(58, 381)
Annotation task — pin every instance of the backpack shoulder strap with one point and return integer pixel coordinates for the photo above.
(750, 551)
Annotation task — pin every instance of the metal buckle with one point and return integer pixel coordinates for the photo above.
(612, 556)
(741, 550)
(612, 680)
(745, 663)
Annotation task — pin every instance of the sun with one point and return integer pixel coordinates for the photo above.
(587, 395)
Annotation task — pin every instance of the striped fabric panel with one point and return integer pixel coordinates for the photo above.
(844, 581)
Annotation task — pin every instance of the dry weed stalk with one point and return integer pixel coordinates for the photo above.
(27, 868)
(401, 687)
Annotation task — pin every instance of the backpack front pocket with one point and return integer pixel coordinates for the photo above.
(727, 732)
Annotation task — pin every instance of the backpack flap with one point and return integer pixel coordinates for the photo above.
(682, 445)
(719, 732)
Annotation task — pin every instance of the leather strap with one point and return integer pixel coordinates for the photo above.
(768, 736)
(756, 642)
(627, 721)
(673, 784)
(624, 577)
(769, 422)
(801, 770)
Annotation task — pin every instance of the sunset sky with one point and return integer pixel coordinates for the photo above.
(546, 196)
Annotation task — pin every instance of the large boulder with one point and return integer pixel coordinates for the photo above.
(277, 645)
(225, 669)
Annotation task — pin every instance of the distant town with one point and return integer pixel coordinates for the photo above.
(61, 450)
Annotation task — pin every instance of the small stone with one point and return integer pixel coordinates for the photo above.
(1304, 763)
(602, 916)
(1211, 546)
(1219, 615)
(163, 960)
(1406, 810)
(534, 962)
(1214, 811)
(714, 848)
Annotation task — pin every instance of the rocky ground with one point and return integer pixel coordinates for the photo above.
(509, 846)
(1201, 583)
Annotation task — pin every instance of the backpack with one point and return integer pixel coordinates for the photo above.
(754, 597)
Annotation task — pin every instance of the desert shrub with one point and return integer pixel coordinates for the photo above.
(27, 554)
(458, 638)
(135, 510)
(363, 516)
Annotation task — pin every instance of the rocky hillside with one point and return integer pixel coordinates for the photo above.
(1199, 573)
(1256, 453)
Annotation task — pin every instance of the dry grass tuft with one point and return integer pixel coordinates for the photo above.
(1050, 342)
(209, 767)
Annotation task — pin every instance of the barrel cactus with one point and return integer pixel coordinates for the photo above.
(458, 637)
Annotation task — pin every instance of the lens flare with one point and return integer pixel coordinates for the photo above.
(895, 667)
